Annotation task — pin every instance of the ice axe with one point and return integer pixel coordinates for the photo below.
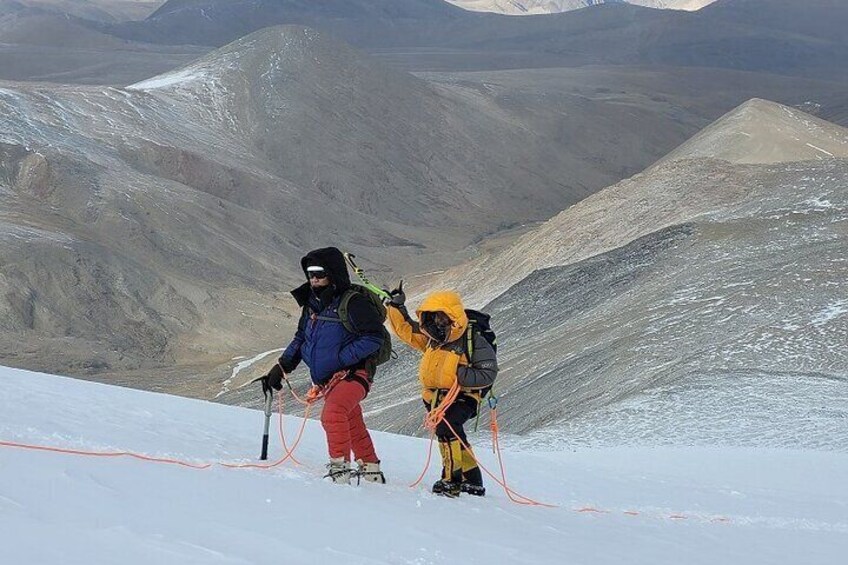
(365, 282)
(269, 401)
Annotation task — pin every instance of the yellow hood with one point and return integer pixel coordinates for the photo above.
(450, 303)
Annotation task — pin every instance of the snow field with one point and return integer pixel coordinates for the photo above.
(615, 505)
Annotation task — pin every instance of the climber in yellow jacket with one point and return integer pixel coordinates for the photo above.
(441, 335)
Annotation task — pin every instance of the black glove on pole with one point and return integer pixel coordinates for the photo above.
(275, 376)
(270, 382)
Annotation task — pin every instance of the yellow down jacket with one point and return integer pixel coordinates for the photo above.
(440, 364)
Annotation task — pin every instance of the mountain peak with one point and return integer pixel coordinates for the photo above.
(250, 55)
(531, 7)
(763, 132)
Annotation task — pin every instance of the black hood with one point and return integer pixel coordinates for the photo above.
(332, 260)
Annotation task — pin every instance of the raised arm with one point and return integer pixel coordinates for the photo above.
(406, 328)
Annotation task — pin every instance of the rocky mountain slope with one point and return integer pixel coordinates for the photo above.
(160, 225)
(757, 35)
(97, 10)
(56, 42)
(431, 35)
(693, 275)
(215, 22)
(757, 132)
(37, 27)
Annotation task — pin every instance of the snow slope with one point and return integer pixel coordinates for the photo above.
(615, 505)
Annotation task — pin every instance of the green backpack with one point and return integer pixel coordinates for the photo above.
(385, 351)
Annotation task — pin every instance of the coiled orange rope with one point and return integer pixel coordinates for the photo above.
(437, 415)
(316, 392)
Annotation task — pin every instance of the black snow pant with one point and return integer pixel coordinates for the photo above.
(458, 463)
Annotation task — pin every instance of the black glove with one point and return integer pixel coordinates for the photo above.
(266, 388)
(287, 366)
(274, 378)
(398, 297)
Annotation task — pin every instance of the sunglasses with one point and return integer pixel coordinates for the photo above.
(318, 274)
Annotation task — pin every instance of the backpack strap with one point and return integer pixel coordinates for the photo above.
(344, 317)
(327, 319)
(469, 340)
(341, 310)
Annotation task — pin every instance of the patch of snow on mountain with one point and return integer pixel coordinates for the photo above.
(170, 79)
(832, 312)
(536, 7)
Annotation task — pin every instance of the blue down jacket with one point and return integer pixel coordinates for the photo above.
(325, 345)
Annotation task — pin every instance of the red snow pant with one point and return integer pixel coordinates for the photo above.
(343, 423)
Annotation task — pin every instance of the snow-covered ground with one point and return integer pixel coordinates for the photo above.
(614, 505)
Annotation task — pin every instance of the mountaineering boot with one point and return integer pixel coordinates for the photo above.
(338, 470)
(369, 472)
(472, 478)
(443, 487)
(474, 490)
(449, 484)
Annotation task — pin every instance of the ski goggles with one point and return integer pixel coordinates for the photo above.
(316, 273)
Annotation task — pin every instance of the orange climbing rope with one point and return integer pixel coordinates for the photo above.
(106, 454)
(510, 493)
(426, 463)
(431, 420)
(437, 415)
(316, 392)
(288, 453)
